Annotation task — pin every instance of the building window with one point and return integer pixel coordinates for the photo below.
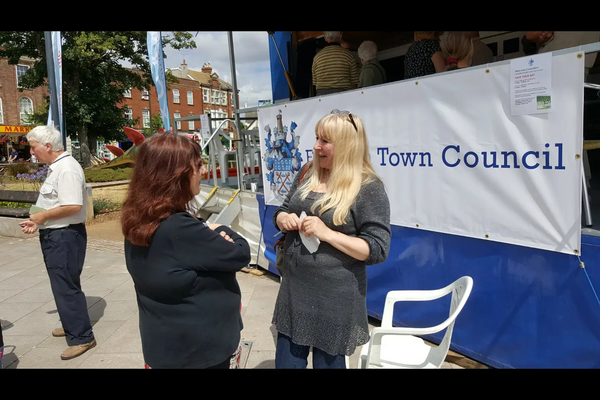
(25, 110)
(127, 93)
(213, 115)
(215, 97)
(128, 113)
(206, 94)
(190, 97)
(176, 96)
(224, 98)
(145, 95)
(191, 125)
(177, 115)
(1, 113)
(21, 70)
(146, 118)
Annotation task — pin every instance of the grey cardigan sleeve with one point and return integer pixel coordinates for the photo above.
(371, 213)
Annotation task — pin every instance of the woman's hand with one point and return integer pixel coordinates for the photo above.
(314, 226)
(226, 236)
(222, 233)
(288, 221)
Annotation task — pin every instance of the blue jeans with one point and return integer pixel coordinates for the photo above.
(294, 356)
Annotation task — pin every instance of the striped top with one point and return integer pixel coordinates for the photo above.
(334, 68)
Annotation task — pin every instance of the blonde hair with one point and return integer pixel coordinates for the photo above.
(457, 45)
(351, 165)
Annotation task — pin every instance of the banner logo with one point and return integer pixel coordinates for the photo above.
(282, 159)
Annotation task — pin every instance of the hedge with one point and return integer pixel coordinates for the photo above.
(107, 175)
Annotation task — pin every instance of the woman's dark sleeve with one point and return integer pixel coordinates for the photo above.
(372, 219)
(202, 249)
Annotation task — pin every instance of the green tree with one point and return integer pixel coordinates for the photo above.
(157, 123)
(94, 77)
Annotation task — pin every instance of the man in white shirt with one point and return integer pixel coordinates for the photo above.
(63, 236)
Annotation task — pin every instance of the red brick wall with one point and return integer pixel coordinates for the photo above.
(10, 94)
(137, 104)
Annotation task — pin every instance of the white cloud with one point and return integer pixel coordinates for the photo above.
(251, 52)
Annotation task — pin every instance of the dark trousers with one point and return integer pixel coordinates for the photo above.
(294, 356)
(64, 254)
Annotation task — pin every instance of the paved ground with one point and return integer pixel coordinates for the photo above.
(28, 312)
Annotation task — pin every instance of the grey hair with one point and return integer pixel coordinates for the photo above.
(367, 50)
(332, 35)
(46, 134)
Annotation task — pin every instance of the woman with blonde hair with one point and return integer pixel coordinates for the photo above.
(322, 300)
(457, 48)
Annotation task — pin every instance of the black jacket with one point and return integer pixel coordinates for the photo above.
(187, 293)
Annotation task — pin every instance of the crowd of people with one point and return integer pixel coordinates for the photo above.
(336, 69)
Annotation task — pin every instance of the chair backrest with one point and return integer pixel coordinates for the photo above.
(461, 290)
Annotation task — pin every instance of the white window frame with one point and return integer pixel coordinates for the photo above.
(146, 118)
(190, 98)
(224, 98)
(127, 93)
(1, 112)
(145, 94)
(191, 125)
(215, 97)
(206, 95)
(20, 75)
(23, 114)
(213, 115)
(128, 113)
(176, 96)
(177, 115)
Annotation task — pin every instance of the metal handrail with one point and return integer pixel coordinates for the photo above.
(217, 131)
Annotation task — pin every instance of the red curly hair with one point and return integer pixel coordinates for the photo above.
(160, 184)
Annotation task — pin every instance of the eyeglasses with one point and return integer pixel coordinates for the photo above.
(346, 113)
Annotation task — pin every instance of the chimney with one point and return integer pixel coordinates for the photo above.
(207, 68)
(184, 71)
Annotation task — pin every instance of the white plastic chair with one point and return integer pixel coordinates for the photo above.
(399, 347)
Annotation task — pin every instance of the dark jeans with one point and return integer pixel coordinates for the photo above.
(294, 356)
(64, 254)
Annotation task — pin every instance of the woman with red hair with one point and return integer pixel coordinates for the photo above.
(183, 268)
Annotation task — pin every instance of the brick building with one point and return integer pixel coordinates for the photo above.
(15, 104)
(196, 92)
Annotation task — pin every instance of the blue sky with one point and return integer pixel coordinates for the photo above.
(251, 61)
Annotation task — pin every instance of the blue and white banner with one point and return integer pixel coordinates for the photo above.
(157, 67)
(56, 97)
(453, 158)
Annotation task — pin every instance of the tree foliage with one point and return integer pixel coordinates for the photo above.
(157, 123)
(94, 76)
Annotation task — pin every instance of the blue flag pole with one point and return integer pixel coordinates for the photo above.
(157, 67)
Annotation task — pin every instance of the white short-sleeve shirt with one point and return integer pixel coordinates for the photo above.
(64, 186)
